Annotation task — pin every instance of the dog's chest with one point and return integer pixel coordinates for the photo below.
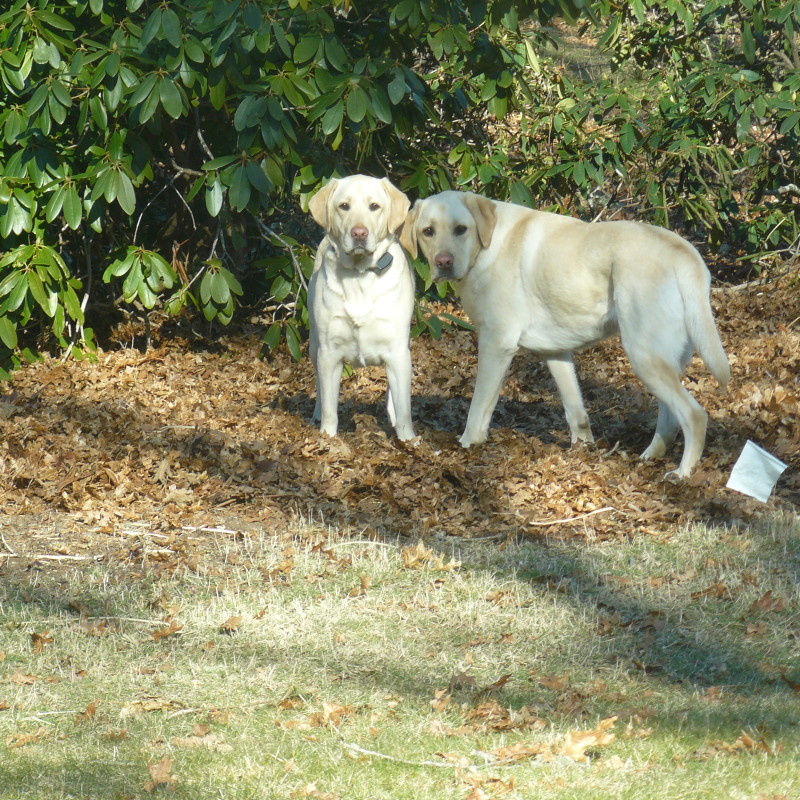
(365, 322)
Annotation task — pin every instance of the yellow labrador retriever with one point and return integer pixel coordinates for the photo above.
(361, 294)
(554, 284)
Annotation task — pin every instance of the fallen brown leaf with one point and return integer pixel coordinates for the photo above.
(40, 641)
(231, 625)
(15, 740)
(172, 629)
(520, 751)
(88, 714)
(576, 743)
(160, 774)
(22, 679)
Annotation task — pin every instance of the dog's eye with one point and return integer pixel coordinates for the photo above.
(373, 206)
(427, 231)
(460, 230)
(344, 206)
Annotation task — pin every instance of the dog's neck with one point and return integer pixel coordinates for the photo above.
(377, 262)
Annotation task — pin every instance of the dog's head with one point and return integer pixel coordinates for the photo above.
(451, 229)
(359, 212)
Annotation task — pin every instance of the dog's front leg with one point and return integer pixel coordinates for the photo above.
(494, 360)
(562, 368)
(398, 400)
(329, 377)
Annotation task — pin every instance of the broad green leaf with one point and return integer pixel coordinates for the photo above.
(73, 305)
(8, 333)
(55, 203)
(213, 196)
(233, 284)
(257, 178)
(143, 90)
(357, 104)
(152, 26)
(332, 118)
(98, 111)
(72, 207)
(220, 292)
(171, 98)
(335, 54)
(120, 266)
(205, 289)
(380, 105)
(627, 138)
(748, 42)
(126, 195)
(147, 297)
(171, 27)
(293, 342)
(218, 163)
(306, 48)
(272, 338)
(239, 190)
(18, 294)
(130, 286)
(10, 281)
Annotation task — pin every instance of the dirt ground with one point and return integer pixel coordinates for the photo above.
(198, 434)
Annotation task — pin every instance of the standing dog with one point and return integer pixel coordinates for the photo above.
(554, 284)
(361, 294)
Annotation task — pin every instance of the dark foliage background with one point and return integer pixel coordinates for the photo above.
(158, 156)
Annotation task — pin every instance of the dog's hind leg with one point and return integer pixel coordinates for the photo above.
(663, 380)
(666, 429)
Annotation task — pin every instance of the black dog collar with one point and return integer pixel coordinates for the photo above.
(383, 263)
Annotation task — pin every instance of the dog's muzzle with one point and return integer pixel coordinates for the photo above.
(443, 266)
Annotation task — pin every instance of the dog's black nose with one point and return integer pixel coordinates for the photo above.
(359, 233)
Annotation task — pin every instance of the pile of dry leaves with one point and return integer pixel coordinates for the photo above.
(206, 433)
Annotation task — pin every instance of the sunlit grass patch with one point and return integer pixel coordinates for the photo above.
(324, 664)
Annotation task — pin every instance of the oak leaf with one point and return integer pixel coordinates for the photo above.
(172, 629)
(160, 774)
(24, 739)
(40, 641)
(231, 625)
(88, 714)
(576, 743)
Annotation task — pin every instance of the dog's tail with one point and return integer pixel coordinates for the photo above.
(703, 332)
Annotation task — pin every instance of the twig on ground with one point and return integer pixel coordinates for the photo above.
(546, 522)
(611, 451)
(374, 754)
(7, 545)
(354, 542)
(488, 759)
(43, 557)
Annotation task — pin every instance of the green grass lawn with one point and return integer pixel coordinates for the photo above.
(324, 665)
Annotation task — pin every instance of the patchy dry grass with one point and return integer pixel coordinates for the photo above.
(324, 665)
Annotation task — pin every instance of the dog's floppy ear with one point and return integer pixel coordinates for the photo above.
(398, 205)
(408, 233)
(318, 204)
(485, 215)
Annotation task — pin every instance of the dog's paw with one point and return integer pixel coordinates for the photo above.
(673, 476)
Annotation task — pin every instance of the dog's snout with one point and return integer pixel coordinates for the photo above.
(444, 262)
(359, 233)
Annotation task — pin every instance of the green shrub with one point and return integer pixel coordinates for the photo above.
(162, 153)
